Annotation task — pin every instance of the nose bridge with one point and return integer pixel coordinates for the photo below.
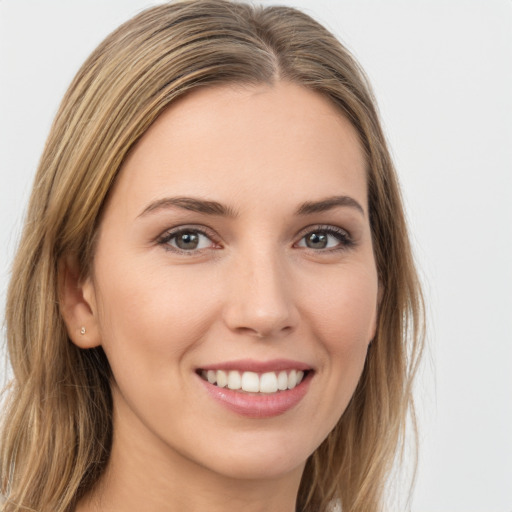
(261, 301)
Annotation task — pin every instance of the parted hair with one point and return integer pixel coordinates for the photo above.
(57, 427)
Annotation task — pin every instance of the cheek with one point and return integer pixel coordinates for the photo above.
(152, 317)
(344, 310)
(343, 317)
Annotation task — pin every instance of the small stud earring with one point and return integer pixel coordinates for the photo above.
(82, 330)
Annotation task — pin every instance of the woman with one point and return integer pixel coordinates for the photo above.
(214, 304)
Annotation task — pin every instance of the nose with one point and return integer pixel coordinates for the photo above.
(261, 300)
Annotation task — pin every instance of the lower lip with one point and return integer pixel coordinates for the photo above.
(258, 405)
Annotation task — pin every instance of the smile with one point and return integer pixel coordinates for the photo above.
(252, 382)
(257, 389)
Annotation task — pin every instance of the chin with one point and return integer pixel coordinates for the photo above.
(263, 468)
(261, 457)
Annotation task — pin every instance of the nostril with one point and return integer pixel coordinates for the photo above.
(265, 332)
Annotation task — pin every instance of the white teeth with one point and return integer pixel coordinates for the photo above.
(252, 382)
(234, 380)
(282, 381)
(292, 379)
(222, 379)
(268, 383)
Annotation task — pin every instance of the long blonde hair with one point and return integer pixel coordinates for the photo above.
(57, 430)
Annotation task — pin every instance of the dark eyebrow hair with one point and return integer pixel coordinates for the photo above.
(327, 204)
(215, 208)
(192, 204)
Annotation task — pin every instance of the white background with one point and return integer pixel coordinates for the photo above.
(442, 72)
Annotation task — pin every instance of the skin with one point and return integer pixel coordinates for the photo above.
(253, 289)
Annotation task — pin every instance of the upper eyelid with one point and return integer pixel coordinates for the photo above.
(208, 230)
(323, 227)
(204, 230)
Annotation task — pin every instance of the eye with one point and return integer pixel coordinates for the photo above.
(186, 240)
(325, 238)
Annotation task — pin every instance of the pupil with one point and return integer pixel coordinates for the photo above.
(316, 241)
(187, 241)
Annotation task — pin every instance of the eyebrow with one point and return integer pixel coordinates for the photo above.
(328, 204)
(215, 208)
(192, 204)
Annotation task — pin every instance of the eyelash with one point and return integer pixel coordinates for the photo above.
(343, 237)
(166, 238)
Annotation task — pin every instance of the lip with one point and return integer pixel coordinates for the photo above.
(258, 405)
(251, 365)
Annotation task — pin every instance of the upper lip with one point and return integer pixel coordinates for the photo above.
(251, 365)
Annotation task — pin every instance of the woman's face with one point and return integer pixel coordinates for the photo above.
(235, 249)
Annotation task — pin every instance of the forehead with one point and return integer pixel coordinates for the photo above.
(240, 143)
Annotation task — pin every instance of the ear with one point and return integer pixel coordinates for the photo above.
(78, 306)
